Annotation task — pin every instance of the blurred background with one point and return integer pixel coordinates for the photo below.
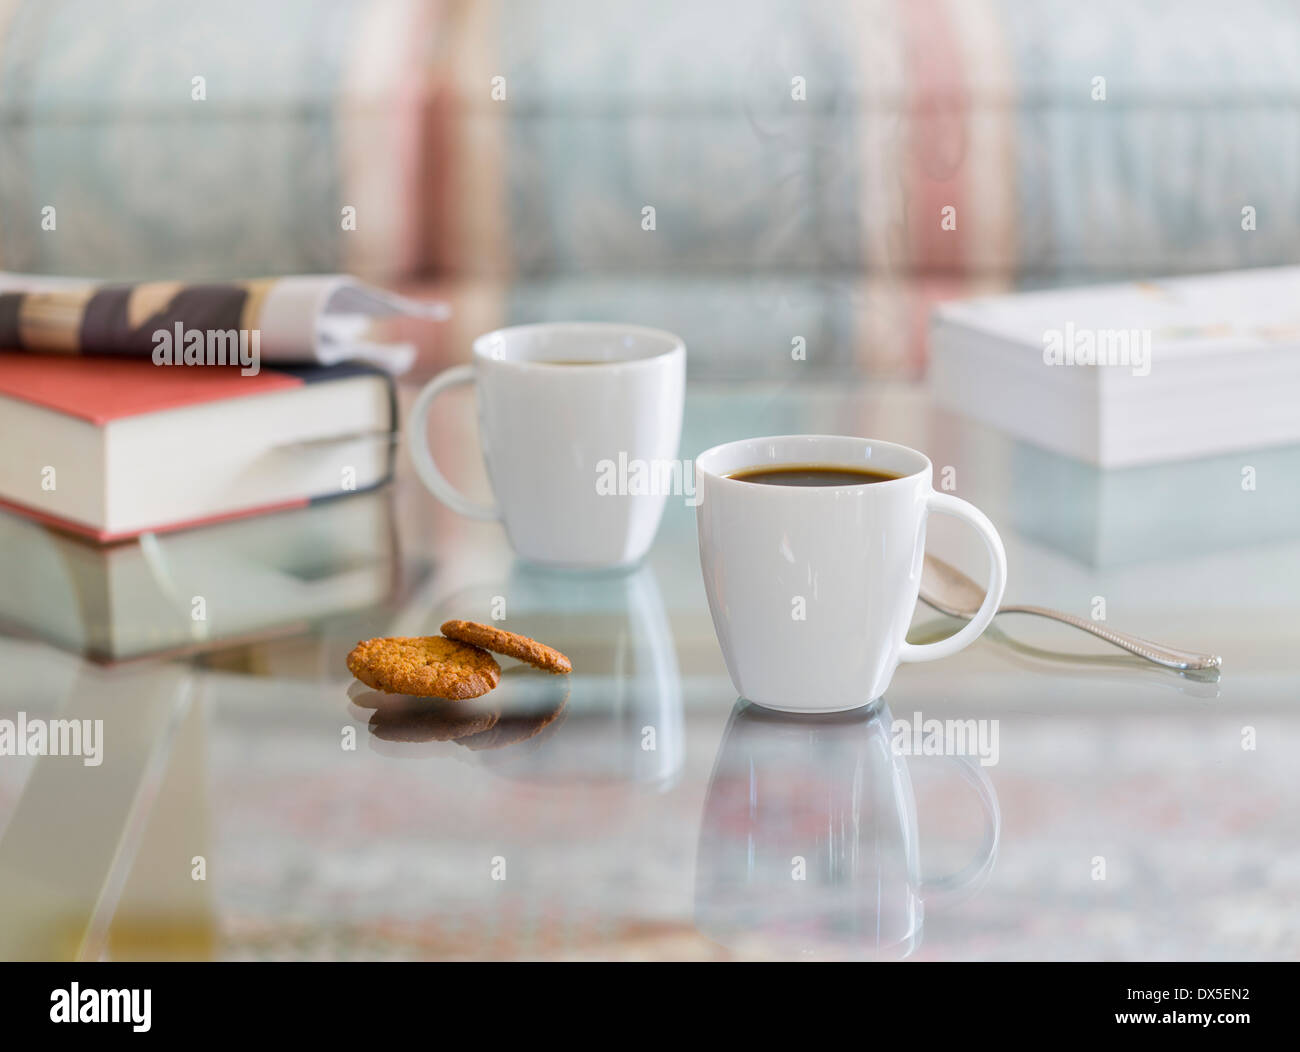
(797, 155)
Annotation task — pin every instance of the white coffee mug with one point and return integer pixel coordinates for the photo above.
(560, 406)
(812, 588)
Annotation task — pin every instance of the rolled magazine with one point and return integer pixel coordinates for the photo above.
(323, 318)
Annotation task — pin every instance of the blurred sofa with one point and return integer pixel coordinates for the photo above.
(798, 156)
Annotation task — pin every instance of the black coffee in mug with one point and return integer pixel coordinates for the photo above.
(811, 475)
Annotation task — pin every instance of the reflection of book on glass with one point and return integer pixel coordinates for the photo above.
(110, 448)
(1139, 373)
(251, 575)
(1158, 512)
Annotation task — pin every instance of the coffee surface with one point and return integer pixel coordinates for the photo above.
(811, 475)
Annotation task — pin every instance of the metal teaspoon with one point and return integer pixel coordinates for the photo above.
(951, 592)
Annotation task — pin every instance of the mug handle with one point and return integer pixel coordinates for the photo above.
(942, 892)
(945, 504)
(417, 441)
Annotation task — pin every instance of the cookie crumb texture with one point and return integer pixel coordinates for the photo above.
(508, 643)
(425, 666)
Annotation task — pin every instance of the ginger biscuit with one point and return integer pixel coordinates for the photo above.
(426, 666)
(508, 643)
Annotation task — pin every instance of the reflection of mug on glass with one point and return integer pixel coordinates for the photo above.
(812, 548)
(809, 841)
(556, 404)
(625, 720)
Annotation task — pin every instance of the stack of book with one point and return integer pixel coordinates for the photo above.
(132, 457)
(112, 448)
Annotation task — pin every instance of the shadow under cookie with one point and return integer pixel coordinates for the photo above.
(400, 718)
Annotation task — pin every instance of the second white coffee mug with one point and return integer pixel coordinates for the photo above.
(812, 588)
(561, 407)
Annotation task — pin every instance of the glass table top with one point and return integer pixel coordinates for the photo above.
(245, 798)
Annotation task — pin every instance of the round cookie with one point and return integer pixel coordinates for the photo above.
(508, 643)
(426, 666)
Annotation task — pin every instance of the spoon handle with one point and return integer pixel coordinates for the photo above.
(1187, 660)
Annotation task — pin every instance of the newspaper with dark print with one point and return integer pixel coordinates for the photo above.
(310, 318)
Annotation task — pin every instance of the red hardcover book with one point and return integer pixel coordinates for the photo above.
(110, 448)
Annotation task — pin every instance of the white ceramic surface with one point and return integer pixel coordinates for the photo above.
(812, 588)
(546, 429)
